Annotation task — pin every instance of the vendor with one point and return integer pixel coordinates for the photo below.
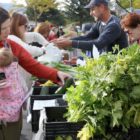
(104, 34)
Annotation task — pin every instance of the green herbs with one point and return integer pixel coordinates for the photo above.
(60, 66)
(107, 94)
(63, 67)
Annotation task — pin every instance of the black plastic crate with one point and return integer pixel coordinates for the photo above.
(56, 124)
(56, 114)
(63, 129)
(37, 90)
(36, 113)
(118, 134)
(134, 134)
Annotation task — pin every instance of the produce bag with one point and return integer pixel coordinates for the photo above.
(53, 54)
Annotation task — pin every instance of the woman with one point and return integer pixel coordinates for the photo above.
(131, 24)
(44, 29)
(11, 130)
(20, 35)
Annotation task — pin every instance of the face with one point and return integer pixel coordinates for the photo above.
(97, 12)
(22, 28)
(134, 33)
(5, 29)
(46, 35)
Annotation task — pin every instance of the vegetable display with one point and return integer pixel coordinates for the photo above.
(107, 94)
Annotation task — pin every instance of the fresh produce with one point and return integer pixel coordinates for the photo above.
(65, 68)
(63, 138)
(63, 89)
(107, 94)
(48, 83)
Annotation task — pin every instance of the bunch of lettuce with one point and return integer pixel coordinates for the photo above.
(107, 94)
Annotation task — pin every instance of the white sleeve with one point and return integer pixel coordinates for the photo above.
(33, 50)
(31, 37)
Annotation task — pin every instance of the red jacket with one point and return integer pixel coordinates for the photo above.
(30, 64)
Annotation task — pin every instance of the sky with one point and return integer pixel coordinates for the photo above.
(19, 1)
(5, 1)
(10, 1)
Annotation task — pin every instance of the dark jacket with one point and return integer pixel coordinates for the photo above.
(104, 37)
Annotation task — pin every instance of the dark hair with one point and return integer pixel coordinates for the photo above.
(17, 20)
(4, 15)
(130, 20)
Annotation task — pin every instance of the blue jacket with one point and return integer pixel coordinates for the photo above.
(104, 37)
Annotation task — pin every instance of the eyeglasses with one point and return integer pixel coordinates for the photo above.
(26, 26)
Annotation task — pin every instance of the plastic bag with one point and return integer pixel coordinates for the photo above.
(95, 52)
(40, 134)
(53, 54)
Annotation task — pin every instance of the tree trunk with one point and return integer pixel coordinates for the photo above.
(35, 16)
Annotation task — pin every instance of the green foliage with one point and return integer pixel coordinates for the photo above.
(75, 10)
(126, 3)
(30, 13)
(40, 6)
(54, 16)
(107, 93)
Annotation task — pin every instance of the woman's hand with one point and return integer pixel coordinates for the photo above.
(62, 76)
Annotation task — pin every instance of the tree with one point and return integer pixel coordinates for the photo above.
(75, 11)
(54, 16)
(130, 3)
(30, 13)
(40, 6)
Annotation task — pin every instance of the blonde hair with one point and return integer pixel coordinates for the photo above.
(43, 28)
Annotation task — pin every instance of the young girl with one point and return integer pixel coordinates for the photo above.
(11, 92)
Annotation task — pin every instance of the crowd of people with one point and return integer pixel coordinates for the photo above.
(12, 92)
(19, 48)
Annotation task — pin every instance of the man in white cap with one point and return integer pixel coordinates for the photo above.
(104, 34)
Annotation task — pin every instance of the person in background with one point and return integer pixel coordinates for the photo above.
(19, 25)
(60, 32)
(31, 28)
(70, 32)
(103, 35)
(86, 28)
(131, 25)
(11, 130)
(44, 29)
(53, 33)
(19, 34)
(74, 53)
